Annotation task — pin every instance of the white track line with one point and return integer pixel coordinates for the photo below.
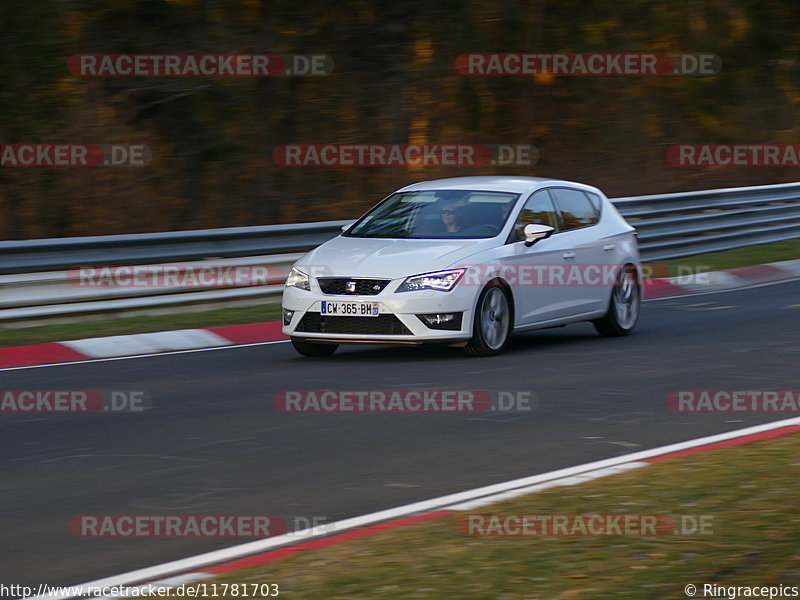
(564, 481)
(440, 503)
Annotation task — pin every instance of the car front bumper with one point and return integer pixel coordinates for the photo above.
(397, 321)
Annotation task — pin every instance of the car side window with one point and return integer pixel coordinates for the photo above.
(596, 202)
(538, 210)
(574, 207)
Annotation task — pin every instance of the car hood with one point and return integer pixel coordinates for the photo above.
(385, 257)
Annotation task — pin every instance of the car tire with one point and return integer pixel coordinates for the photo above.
(313, 349)
(492, 322)
(624, 305)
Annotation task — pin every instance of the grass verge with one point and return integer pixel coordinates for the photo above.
(730, 259)
(750, 492)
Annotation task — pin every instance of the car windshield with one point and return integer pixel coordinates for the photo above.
(437, 214)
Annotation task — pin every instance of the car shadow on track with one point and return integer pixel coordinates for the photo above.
(538, 341)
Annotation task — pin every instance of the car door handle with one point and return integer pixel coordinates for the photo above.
(569, 255)
(609, 247)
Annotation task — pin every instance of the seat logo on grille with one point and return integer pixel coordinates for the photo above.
(351, 287)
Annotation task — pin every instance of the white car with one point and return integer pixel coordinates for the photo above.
(467, 261)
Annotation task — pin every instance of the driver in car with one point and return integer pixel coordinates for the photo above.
(449, 217)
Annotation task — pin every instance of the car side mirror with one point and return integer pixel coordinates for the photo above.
(535, 232)
(345, 227)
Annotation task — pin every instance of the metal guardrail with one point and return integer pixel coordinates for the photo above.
(34, 284)
(687, 223)
(60, 294)
(27, 256)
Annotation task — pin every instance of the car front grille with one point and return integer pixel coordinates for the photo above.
(314, 322)
(362, 287)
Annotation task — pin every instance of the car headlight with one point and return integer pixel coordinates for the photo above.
(298, 279)
(443, 281)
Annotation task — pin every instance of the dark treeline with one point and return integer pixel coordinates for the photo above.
(394, 82)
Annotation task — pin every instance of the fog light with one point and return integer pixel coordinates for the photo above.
(448, 321)
(287, 316)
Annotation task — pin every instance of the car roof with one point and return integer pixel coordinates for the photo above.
(494, 183)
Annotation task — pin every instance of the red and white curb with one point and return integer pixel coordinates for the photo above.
(141, 344)
(210, 564)
(720, 281)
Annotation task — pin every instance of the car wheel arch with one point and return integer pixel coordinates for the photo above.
(507, 289)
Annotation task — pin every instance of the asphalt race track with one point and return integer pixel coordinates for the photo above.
(214, 444)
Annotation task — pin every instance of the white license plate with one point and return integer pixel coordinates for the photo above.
(349, 309)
